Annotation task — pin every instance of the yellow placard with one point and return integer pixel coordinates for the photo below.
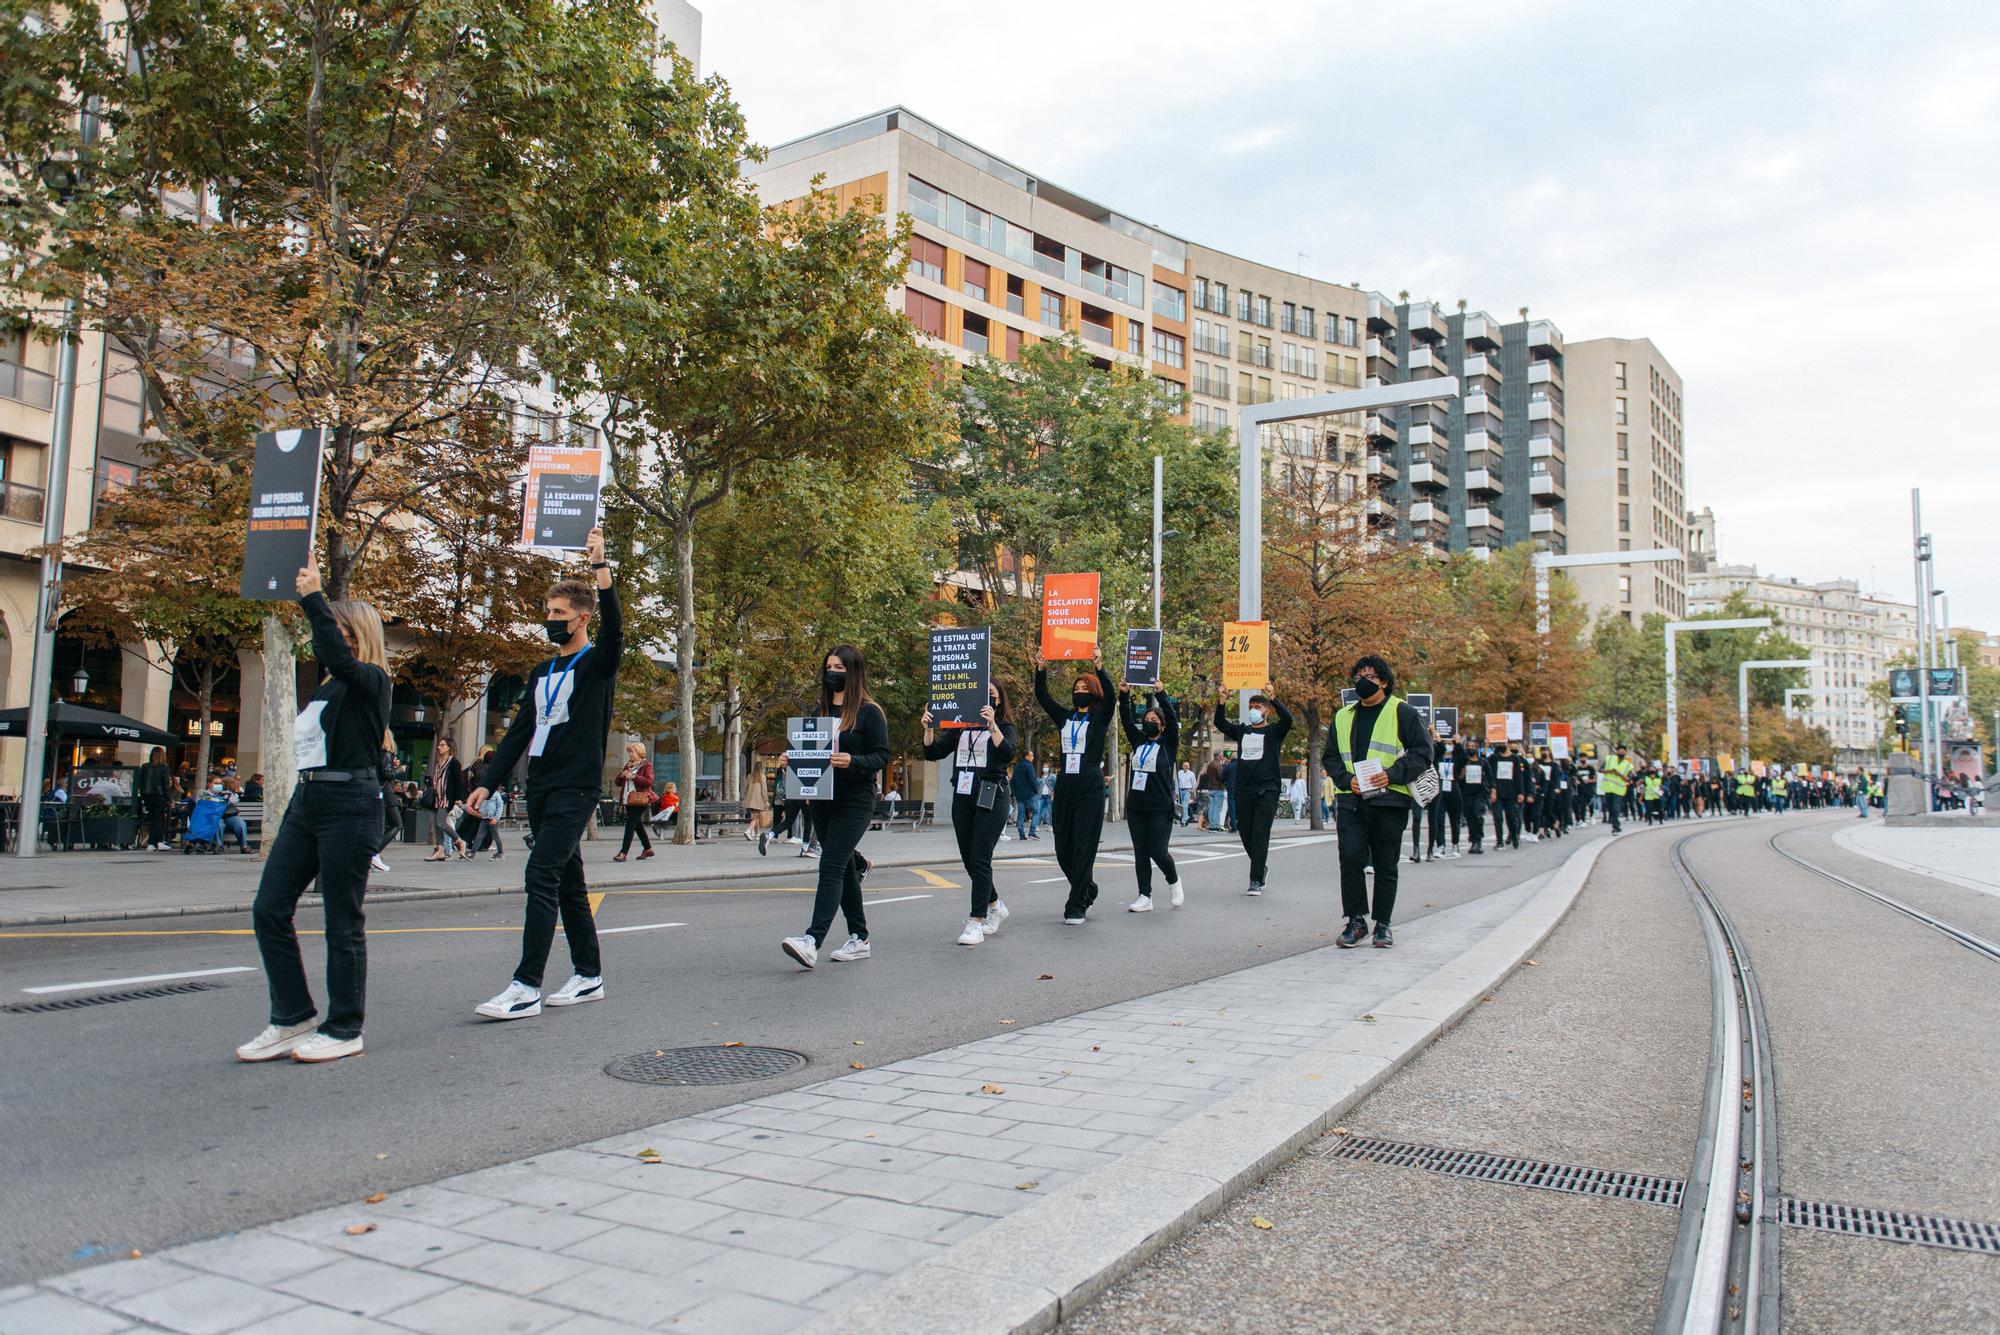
(1246, 655)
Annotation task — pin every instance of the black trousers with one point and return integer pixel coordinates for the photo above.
(1151, 829)
(1416, 833)
(556, 820)
(1512, 809)
(1614, 806)
(635, 823)
(1369, 832)
(328, 834)
(392, 820)
(156, 820)
(801, 812)
(1077, 816)
(1475, 820)
(978, 835)
(1255, 810)
(840, 831)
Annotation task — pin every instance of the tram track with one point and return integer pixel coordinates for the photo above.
(1979, 945)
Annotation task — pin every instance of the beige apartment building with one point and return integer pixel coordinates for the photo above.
(1627, 477)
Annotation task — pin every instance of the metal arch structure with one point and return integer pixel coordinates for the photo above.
(1743, 671)
(1547, 561)
(1673, 669)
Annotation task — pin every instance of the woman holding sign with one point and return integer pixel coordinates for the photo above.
(978, 801)
(1078, 811)
(860, 752)
(1149, 804)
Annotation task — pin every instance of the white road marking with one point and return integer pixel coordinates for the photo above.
(147, 978)
(899, 899)
(642, 927)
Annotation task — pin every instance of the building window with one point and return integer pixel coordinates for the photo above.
(1618, 374)
(1624, 446)
(926, 201)
(1245, 303)
(927, 258)
(1624, 588)
(1309, 362)
(1264, 311)
(1246, 388)
(1619, 413)
(1624, 481)
(977, 276)
(1351, 331)
(925, 312)
(1624, 518)
(1218, 298)
(1169, 349)
(1306, 322)
(1169, 302)
(1289, 319)
(1016, 296)
(1052, 309)
(1135, 338)
(974, 336)
(1012, 344)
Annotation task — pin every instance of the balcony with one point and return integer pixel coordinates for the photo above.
(1423, 433)
(1380, 426)
(1481, 480)
(1380, 466)
(1481, 331)
(1545, 486)
(1423, 358)
(1482, 442)
(1423, 512)
(1477, 401)
(1381, 313)
(1476, 518)
(1429, 474)
(1544, 521)
(1541, 447)
(22, 502)
(1540, 410)
(1542, 372)
(24, 384)
(1478, 364)
(1544, 334)
(1380, 350)
(1376, 507)
(1425, 319)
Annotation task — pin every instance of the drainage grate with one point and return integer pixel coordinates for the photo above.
(106, 998)
(1511, 1170)
(704, 1066)
(1866, 1221)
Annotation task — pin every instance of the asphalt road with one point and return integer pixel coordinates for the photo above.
(131, 1126)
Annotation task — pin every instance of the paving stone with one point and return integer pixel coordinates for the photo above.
(643, 1250)
(968, 1146)
(876, 1252)
(511, 1269)
(1131, 1123)
(891, 1217)
(977, 1198)
(106, 1284)
(1040, 1115)
(778, 1119)
(255, 1257)
(584, 1324)
(1070, 1137)
(742, 1314)
(767, 1233)
(880, 1182)
(975, 1105)
(797, 1144)
(557, 1185)
(770, 1198)
(397, 1241)
(617, 1294)
(463, 1309)
(41, 1312)
(645, 1209)
(315, 1320)
(781, 1279)
(797, 1100)
(549, 1230)
(1060, 1158)
(433, 1205)
(877, 1132)
(869, 1154)
(363, 1288)
(965, 1123)
(766, 1167)
(886, 1108)
(663, 1179)
(1004, 1302)
(206, 1305)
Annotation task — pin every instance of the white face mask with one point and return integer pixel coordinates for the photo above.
(1256, 715)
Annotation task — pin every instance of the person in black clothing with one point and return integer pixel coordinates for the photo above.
(1026, 783)
(860, 752)
(1510, 781)
(1078, 812)
(1372, 776)
(561, 732)
(1259, 739)
(980, 777)
(489, 826)
(153, 786)
(392, 774)
(1155, 737)
(329, 831)
(1472, 781)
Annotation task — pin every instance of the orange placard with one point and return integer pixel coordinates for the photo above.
(1246, 655)
(1069, 617)
(1496, 729)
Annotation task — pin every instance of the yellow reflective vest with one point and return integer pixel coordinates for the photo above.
(1617, 778)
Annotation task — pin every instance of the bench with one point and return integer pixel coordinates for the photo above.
(912, 814)
(714, 814)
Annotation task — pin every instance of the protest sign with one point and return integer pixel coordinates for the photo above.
(562, 497)
(1421, 702)
(1246, 655)
(1444, 723)
(1142, 657)
(808, 761)
(1561, 740)
(1069, 617)
(284, 512)
(961, 662)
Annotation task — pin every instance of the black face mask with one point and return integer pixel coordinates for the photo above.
(835, 681)
(1081, 699)
(1366, 686)
(1152, 728)
(558, 631)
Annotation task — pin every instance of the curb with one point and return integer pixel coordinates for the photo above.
(394, 896)
(1850, 839)
(1089, 1234)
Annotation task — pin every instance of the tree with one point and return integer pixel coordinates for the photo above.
(1486, 654)
(731, 337)
(1624, 692)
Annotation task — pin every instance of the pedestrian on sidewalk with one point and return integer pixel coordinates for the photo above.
(392, 774)
(1209, 795)
(331, 828)
(488, 812)
(756, 807)
(153, 785)
(1507, 781)
(1444, 808)
(1078, 809)
(444, 789)
(1375, 749)
(635, 798)
(562, 732)
(1026, 783)
(1155, 738)
(1184, 790)
(860, 752)
(981, 759)
(1259, 739)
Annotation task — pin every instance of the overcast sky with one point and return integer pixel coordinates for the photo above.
(1799, 203)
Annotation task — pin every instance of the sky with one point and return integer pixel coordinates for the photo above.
(1798, 203)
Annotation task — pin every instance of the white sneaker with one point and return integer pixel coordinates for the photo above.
(974, 933)
(518, 1002)
(276, 1041)
(1531, 838)
(1143, 904)
(802, 949)
(751, 835)
(996, 913)
(377, 863)
(1077, 921)
(576, 991)
(326, 1048)
(855, 949)
(1178, 897)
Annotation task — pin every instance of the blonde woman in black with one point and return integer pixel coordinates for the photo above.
(978, 802)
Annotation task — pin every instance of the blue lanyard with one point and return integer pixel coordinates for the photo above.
(1074, 733)
(552, 681)
(1143, 759)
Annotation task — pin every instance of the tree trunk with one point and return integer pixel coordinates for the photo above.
(206, 695)
(1315, 779)
(732, 738)
(280, 709)
(684, 669)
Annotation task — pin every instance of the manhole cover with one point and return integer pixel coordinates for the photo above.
(704, 1066)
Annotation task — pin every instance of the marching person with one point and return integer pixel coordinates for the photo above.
(1376, 747)
(1155, 738)
(562, 731)
(1259, 739)
(1509, 783)
(1077, 813)
(330, 830)
(1444, 809)
(392, 774)
(1472, 786)
(1025, 782)
(1614, 783)
(860, 752)
(635, 797)
(981, 774)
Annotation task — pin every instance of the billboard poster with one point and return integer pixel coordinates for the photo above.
(961, 662)
(1903, 684)
(284, 513)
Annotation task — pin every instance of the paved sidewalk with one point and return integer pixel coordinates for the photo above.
(1968, 857)
(803, 1207)
(88, 887)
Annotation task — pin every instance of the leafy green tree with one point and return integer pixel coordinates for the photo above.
(1624, 692)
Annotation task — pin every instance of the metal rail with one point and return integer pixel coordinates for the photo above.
(1979, 945)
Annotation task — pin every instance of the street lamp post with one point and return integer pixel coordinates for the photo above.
(1673, 702)
(1921, 544)
(1743, 693)
(1159, 498)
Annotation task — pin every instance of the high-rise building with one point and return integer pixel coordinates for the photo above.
(1626, 475)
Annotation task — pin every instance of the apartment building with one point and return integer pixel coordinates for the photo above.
(1626, 475)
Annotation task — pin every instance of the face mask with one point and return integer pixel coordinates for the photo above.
(558, 631)
(1152, 728)
(1081, 699)
(1366, 686)
(835, 681)
(1255, 715)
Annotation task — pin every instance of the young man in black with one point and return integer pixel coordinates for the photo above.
(562, 730)
(1259, 739)
(1377, 746)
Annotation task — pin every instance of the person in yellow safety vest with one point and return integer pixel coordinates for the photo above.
(1376, 747)
(1653, 787)
(1614, 783)
(1780, 789)
(1746, 791)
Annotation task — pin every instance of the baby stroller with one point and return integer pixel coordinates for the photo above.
(204, 827)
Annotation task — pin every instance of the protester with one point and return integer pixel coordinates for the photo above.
(1079, 791)
(562, 732)
(328, 832)
(1509, 786)
(635, 799)
(1473, 789)
(980, 775)
(153, 786)
(860, 752)
(1376, 748)
(1025, 783)
(1445, 808)
(1259, 740)
(1615, 783)
(1155, 738)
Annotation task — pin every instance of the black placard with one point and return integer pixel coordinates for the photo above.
(1444, 723)
(1421, 702)
(1538, 734)
(1903, 684)
(808, 761)
(961, 664)
(284, 511)
(1142, 657)
(1944, 681)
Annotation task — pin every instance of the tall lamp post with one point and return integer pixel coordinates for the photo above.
(1673, 669)
(1743, 694)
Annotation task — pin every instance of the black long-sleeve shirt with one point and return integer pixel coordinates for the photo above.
(1257, 774)
(976, 750)
(1095, 721)
(343, 721)
(1158, 794)
(575, 693)
(1411, 735)
(867, 747)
